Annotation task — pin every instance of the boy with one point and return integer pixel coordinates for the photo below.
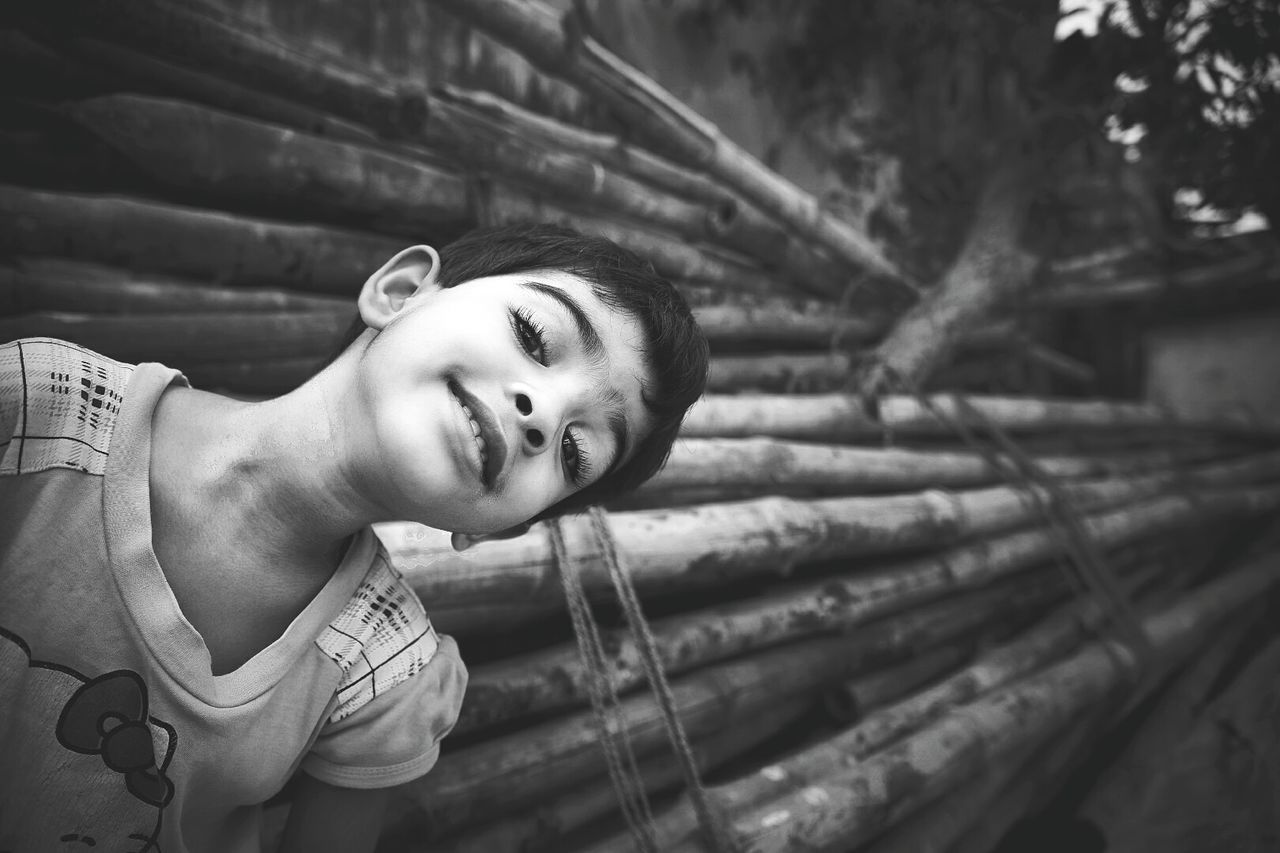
(193, 605)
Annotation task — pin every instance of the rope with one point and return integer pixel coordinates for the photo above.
(714, 831)
(605, 706)
(1085, 568)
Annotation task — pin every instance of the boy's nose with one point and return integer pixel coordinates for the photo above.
(532, 433)
(539, 416)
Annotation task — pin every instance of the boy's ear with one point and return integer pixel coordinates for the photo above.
(411, 271)
(463, 541)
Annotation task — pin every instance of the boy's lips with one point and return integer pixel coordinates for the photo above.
(495, 456)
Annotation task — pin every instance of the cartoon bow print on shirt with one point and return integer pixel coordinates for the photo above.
(108, 716)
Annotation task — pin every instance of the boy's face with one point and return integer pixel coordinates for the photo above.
(487, 402)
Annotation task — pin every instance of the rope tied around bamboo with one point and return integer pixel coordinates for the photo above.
(1087, 572)
(624, 770)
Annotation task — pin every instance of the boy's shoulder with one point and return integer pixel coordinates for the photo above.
(58, 406)
(381, 638)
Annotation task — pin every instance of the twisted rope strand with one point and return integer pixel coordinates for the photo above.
(605, 706)
(714, 830)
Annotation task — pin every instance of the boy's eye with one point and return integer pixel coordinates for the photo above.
(575, 457)
(529, 335)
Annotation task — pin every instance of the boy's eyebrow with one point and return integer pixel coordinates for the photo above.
(587, 334)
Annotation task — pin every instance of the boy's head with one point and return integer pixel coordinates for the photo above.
(556, 347)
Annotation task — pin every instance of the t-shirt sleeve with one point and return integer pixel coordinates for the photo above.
(58, 406)
(394, 737)
(400, 692)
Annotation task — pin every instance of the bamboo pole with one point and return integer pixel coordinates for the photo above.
(968, 618)
(818, 372)
(553, 678)
(1026, 788)
(939, 824)
(908, 414)
(526, 766)
(534, 30)
(808, 373)
(844, 417)
(202, 37)
(735, 220)
(716, 543)
(782, 372)
(857, 697)
(606, 148)
(675, 823)
(23, 56)
(848, 808)
(479, 140)
(213, 155)
(51, 284)
(500, 204)
(593, 167)
(186, 241)
(148, 74)
(545, 827)
(1255, 269)
(1049, 638)
(738, 467)
(181, 339)
(780, 325)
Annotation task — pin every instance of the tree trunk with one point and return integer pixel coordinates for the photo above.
(989, 268)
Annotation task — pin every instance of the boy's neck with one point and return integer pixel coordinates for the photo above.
(269, 471)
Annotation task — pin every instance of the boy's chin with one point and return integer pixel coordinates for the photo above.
(463, 541)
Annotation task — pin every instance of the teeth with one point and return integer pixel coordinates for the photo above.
(475, 431)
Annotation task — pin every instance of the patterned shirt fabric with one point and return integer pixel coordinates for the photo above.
(115, 732)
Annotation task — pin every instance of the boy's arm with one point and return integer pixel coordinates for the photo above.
(328, 819)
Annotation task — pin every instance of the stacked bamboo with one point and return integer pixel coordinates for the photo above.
(855, 605)
(862, 599)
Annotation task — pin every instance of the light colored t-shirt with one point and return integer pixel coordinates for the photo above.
(113, 730)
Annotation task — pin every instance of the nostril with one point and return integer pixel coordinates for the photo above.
(535, 437)
(523, 405)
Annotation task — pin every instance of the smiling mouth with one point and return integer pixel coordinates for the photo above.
(488, 438)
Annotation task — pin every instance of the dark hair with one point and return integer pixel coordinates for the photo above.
(675, 349)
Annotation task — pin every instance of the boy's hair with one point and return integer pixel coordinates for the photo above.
(675, 349)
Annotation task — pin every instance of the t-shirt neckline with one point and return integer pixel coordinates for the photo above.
(173, 640)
